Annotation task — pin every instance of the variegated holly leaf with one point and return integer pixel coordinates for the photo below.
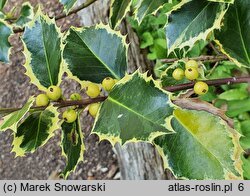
(11, 121)
(234, 38)
(5, 32)
(42, 49)
(137, 109)
(146, 7)
(118, 10)
(72, 145)
(26, 15)
(184, 26)
(35, 131)
(94, 53)
(68, 4)
(2, 3)
(203, 147)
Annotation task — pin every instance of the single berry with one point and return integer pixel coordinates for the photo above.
(200, 88)
(191, 73)
(108, 83)
(42, 100)
(93, 109)
(92, 90)
(178, 74)
(75, 97)
(191, 64)
(54, 93)
(69, 116)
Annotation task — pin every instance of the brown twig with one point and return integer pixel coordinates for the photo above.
(60, 104)
(63, 15)
(175, 88)
(203, 58)
(216, 82)
(77, 9)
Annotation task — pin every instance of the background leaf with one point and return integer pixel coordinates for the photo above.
(246, 166)
(2, 3)
(35, 131)
(245, 131)
(202, 147)
(42, 50)
(234, 94)
(72, 145)
(184, 26)
(94, 53)
(141, 115)
(234, 38)
(118, 10)
(10, 121)
(6, 31)
(26, 15)
(68, 4)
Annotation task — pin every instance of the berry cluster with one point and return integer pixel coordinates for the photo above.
(54, 93)
(191, 73)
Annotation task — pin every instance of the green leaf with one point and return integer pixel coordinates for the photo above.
(42, 49)
(147, 40)
(245, 139)
(118, 11)
(234, 94)
(203, 147)
(184, 26)
(234, 38)
(141, 115)
(2, 3)
(11, 121)
(35, 131)
(246, 168)
(147, 7)
(5, 32)
(26, 15)
(234, 108)
(94, 53)
(72, 145)
(68, 4)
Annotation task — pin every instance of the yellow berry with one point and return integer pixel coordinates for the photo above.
(42, 100)
(200, 88)
(69, 116)
(178, 74)
(75, 97)
(191, 73)
(108, 83)
(93, 109)
(54, 93)
(192, 64)
(93, 90)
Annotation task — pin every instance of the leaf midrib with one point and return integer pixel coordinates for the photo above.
(38, 130)
(200, 143)
(105, 65)
(133, 111)
(46, 56)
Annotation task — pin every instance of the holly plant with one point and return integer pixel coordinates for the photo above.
(193, 106)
